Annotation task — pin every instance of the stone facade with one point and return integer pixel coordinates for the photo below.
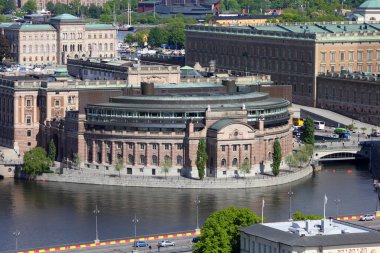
(32, 110)
(145, 132)
(293, 54)
(65, 37)
(355, 96)
(133, 72)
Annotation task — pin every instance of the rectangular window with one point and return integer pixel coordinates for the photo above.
(369, 67)
(246, 147)
(29, 133)
(179, 146)
(351, 56)
(332, 68)
(28, 119)
(28, 103)
(360, 67)
(332, 56)
(234, 147)
(323, 56)
(378, 55)
(130, 145)
(323, 68)
(142, 146)
(369, 55)
(154, 146)
(167, 146)
(56, 103)
(360, 56)
(378, 68)
(224, 147)
(351, 68)
(342, 56)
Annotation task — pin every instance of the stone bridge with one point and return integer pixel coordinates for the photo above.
(9, 162)
(339, 153)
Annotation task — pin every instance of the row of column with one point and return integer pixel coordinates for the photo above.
(99, 150)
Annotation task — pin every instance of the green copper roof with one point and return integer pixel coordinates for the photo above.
(99, 26)
(31, 27)
(66, 17)
(370, 4)
(223, 123)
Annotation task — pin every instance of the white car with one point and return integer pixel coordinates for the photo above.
(166, 243)
(367, 217)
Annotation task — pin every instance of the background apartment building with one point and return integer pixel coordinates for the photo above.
(292, 54)
(65, 37)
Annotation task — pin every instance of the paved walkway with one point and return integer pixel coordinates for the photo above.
(331, 117)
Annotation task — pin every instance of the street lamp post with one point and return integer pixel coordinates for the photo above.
(197, 201)
(16, 234)
(135, 220)
(96, 211)
(337, 202)
(290, 194)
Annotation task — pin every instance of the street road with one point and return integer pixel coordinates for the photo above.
(181, 245)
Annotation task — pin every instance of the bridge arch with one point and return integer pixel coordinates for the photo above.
(336, 156)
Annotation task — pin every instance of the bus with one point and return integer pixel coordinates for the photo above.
(298, 121)
(319, 125)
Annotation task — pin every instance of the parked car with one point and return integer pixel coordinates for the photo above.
(166, 243)
(367, 217)
(375, 134)
(140, 244)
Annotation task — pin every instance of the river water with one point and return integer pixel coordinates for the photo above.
(50, 213)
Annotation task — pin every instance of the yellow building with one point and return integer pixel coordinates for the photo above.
(244, 20)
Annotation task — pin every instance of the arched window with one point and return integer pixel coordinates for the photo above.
(130, 159)
(48, 48)
(111, 46)
(179, 160)
(223, 163)
(105, 47)
(154, 160)
(142, 159)
(235, 162)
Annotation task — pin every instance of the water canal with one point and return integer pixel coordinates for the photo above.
(50, 213)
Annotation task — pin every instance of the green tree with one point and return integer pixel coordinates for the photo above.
(30, 6)
(74, 7)
(176, 35)
(201, 158)
(9, 6)
(141, 37)
(277, 156)
(308, 134)
(52, 153)
(219, 233)
(76, 161)
(5, 49)
(158, 36)
(105, 18)
(50, 6)
(300, 216)
(129, 39)
(291, 161)
(245, 167)
(119, 165)
(167, 164)
(36, 161)
(94, 11)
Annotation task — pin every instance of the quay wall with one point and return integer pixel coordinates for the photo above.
(77, 176)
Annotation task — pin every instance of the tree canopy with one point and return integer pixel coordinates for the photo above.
(277, 156)
(5, 50)
(30, 6)
(201, 158)
(308, 133)
(52, 153)
(219, 233)
(36, 161)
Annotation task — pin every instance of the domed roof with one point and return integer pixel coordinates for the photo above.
(65, 17)
(370, 4)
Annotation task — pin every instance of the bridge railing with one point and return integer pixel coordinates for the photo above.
(326, 147)
(11, 162)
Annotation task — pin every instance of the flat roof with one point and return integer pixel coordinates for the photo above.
(277, 232)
